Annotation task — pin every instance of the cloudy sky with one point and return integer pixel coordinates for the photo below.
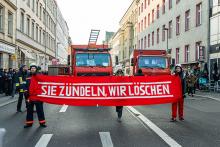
(84, 15)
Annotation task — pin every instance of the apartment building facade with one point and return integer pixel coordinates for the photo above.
(115, 48)
(36, 32)
(62, 38)
(185, 23)
(128, 35)
(7, 34)
(215, 37)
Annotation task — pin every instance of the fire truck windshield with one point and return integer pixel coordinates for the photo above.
(92, 59)
(152, 62)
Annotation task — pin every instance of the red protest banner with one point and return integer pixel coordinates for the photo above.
(105, 91)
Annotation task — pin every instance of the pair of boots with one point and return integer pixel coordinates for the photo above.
(43, 125)
(174, 119)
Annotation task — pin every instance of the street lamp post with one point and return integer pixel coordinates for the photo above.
(167, 29)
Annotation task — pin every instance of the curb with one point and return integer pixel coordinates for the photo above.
(8, 102)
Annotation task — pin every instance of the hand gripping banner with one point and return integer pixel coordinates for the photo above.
(105, 91)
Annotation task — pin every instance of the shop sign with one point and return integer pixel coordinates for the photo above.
(7, 48)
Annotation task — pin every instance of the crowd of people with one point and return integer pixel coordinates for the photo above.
(8, 81)
(18, 81)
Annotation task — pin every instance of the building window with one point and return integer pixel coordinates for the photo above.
(44, 38)
(199, 14)
(178, 25)
(1, 19)
(170, 4)
(33, 5)
(10, 23)
(163, 33)
(148, 19)
(145, 42)
(158, 11)
(40, 11)
(49, 44)
(142, 7)
(28, 26)
(200, 51)
(163, 6)
(152, 38)
(37, 33)
(142, 43)
(145, 22)
(158, 36)
(149, 2)
(141, 25)
(187, 53)
(139, 12)
(177, 55)
(44, 17)
(177, 1)
(187, 20)
(170, 29)
(32, 30)
(152, 15)
(148, 40)
(40, 34)
(22, 22)
(29, 3)
(37, 5)
(145, 4)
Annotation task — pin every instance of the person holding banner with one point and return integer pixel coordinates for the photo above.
(179, 72)
(31, 104)
(119, 109)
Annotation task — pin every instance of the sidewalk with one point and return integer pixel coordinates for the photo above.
(211, 95)
(5, 100)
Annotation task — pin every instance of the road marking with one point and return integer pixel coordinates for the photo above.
(106, 139)
(7, 103)
(170, 141)
(64, 108)
(217, 99)
(2, 134)
(44, 140)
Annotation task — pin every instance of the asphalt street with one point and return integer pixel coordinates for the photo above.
(98, 126)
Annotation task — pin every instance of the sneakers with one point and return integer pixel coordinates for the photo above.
(173, 120)
(27, 125)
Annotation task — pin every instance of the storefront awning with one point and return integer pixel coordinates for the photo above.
(27, 54)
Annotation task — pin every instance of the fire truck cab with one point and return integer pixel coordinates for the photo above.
(91, 61)
(151, 62)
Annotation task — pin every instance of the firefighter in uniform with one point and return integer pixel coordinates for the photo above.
(21, 85)
(31, 104)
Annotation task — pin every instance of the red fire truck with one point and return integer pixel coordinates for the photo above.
(151, 62)
(91, 59)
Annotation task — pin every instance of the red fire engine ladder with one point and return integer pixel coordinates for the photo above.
(93, 38)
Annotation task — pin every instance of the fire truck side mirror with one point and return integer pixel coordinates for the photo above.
(132, 61)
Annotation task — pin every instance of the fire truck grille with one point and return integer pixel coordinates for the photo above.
(93, 74)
